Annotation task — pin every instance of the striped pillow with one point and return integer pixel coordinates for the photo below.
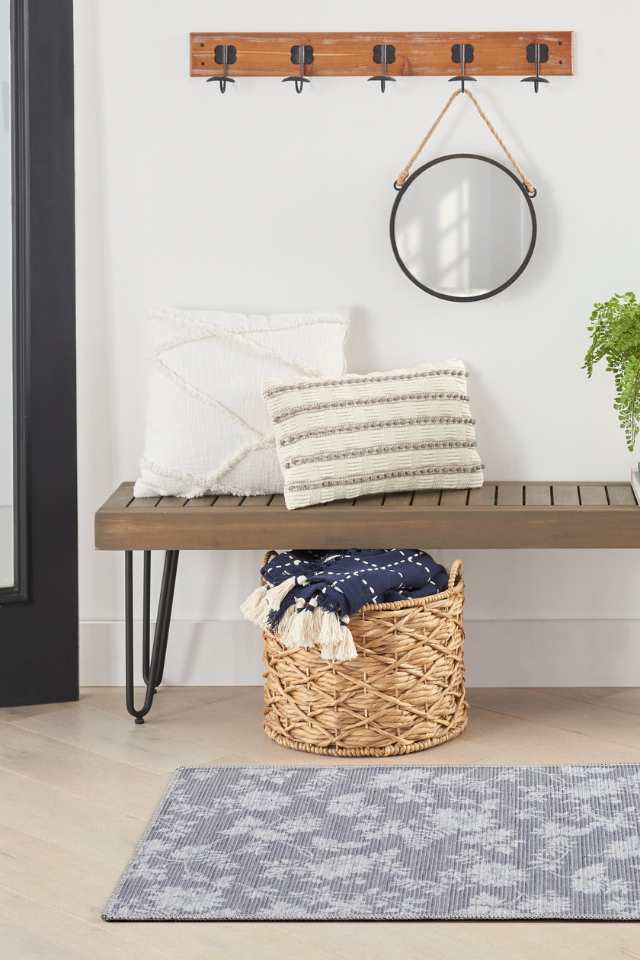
(342, 437)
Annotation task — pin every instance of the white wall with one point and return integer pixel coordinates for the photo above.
(261, 198)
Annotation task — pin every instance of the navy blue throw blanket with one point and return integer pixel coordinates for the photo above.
(311, 594)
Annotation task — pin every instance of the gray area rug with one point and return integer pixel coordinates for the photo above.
(389, 843)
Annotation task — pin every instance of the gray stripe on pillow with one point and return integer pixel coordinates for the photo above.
(376, 451)
(302, 485)
(374, 425)
(377, 378)
(364, 402)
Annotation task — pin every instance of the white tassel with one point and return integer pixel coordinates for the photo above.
(304, 627)
(255, 607)
(300, 629)
(347, 647)
(275, 595)
(284, 625)
(336, 640)
(329, 635)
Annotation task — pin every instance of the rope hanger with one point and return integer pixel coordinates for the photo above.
(406, 170)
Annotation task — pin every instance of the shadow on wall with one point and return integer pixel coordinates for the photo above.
(547, 251)
(97, 385)
(496, 432)
(359, 357)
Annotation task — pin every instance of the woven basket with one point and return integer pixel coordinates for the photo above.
(403, 693)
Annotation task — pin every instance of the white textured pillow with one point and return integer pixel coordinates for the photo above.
(339, 438)
(208, 430)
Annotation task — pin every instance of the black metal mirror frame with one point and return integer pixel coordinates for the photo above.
(398, 200)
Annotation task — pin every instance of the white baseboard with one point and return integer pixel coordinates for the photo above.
(501, 653)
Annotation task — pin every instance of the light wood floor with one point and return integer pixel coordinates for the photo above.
(78, 782)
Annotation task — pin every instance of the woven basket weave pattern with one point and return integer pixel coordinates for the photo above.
(403, 693)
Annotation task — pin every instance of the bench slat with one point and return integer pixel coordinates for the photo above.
(200, 503)
(593, 495)
(120, 498)
(537, 495)
(484, 496)
(510, 494)
(454, 498)
(144, 503)
(226, 501)
(621, 495)
(565, 494)
(370, 500)
(171, 503)
(403, 499)
(257, 503)
(426, 499)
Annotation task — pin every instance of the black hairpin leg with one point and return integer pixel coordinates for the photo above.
(153, 660)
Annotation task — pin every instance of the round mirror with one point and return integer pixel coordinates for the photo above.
(463, 227)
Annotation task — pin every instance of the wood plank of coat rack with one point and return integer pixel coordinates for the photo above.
(351, 54)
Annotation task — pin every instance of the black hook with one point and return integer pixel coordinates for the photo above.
(536, 53)
(462, 53)
(225, 54)
(300, 55)
(384, 53)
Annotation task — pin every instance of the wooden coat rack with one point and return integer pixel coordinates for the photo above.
(353, 54)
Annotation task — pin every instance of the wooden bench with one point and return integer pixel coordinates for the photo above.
(496, 515)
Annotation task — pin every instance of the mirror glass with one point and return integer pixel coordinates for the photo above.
(463, 227)
(7, 575)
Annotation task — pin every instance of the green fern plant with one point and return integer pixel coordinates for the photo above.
(615, 337)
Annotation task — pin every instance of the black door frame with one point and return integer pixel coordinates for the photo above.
(39, 614)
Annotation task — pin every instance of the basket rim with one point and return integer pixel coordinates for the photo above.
(415, 601)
